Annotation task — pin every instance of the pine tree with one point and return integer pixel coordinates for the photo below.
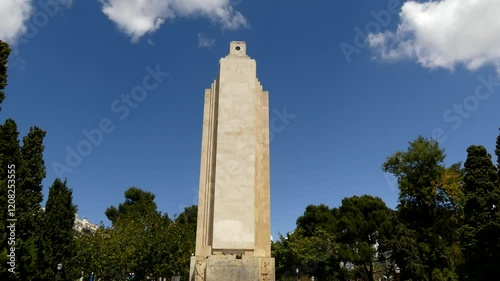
(137, 203)
(10, 154)
(362, 223)
(58, 245)
(4, 55)
(480, 239)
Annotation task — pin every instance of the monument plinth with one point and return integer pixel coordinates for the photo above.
(233, 230)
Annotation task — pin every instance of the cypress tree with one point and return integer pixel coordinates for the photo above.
(29, 198)
(32, 154)
(57, 239)
(10, 154)
(480, 239)
(29, 173)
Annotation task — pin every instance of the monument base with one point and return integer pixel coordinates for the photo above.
(231, 268)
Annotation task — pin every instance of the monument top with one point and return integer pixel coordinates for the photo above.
(238, 48)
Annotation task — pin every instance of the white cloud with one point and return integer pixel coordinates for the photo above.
(21, 17)
(139, 17)
(204, 42)
(442, 34)
(14, 15)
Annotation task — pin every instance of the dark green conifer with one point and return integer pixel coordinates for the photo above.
(480, 232)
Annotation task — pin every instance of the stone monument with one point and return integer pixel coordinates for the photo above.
(233, 231)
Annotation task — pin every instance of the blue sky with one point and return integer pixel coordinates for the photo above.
(355, 80)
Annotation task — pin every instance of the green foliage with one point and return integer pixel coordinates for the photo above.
(315, 217)
(98, 254)
(141, 240)
(29, 196)
(280, 250)
(429, 211)
(174, 244)
(480, 232)
(338, 243)
(189, 216)
(29, 172)
(10, 153)
(57, 242)
(363, 227)
(312, 246)
(137, 202)
(316, 255)
(4, 56)
(34, 166)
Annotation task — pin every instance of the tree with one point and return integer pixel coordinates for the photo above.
(480, 232)
(284, 260)
(97, 255)
(363, 229)
(4, 56)
(34, 166)
(137, 202)
(312, 255)
(336, 243)
(29, 197)
(189, 215)
(135, 223)
(29, 173)
(10, 156)
(174, 242)
(315, 231)
(316, 216)
(429, 211)
(141, 240)
(57, 241)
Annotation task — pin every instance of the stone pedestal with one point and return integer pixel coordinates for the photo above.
(232, 268)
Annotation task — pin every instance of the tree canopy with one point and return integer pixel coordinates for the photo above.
(141, 241)
(137, 202)
(430, 201)
(56, 244)
(481, 228)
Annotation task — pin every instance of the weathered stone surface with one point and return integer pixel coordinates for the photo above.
(232, 268)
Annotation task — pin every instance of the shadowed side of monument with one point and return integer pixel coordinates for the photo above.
(233, 230)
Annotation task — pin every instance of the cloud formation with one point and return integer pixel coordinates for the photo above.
(14, 15)
(205, 42)
(139, 17)
(443, 34)
(20, 20)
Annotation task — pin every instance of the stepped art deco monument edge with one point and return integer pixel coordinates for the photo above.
(233, 229)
